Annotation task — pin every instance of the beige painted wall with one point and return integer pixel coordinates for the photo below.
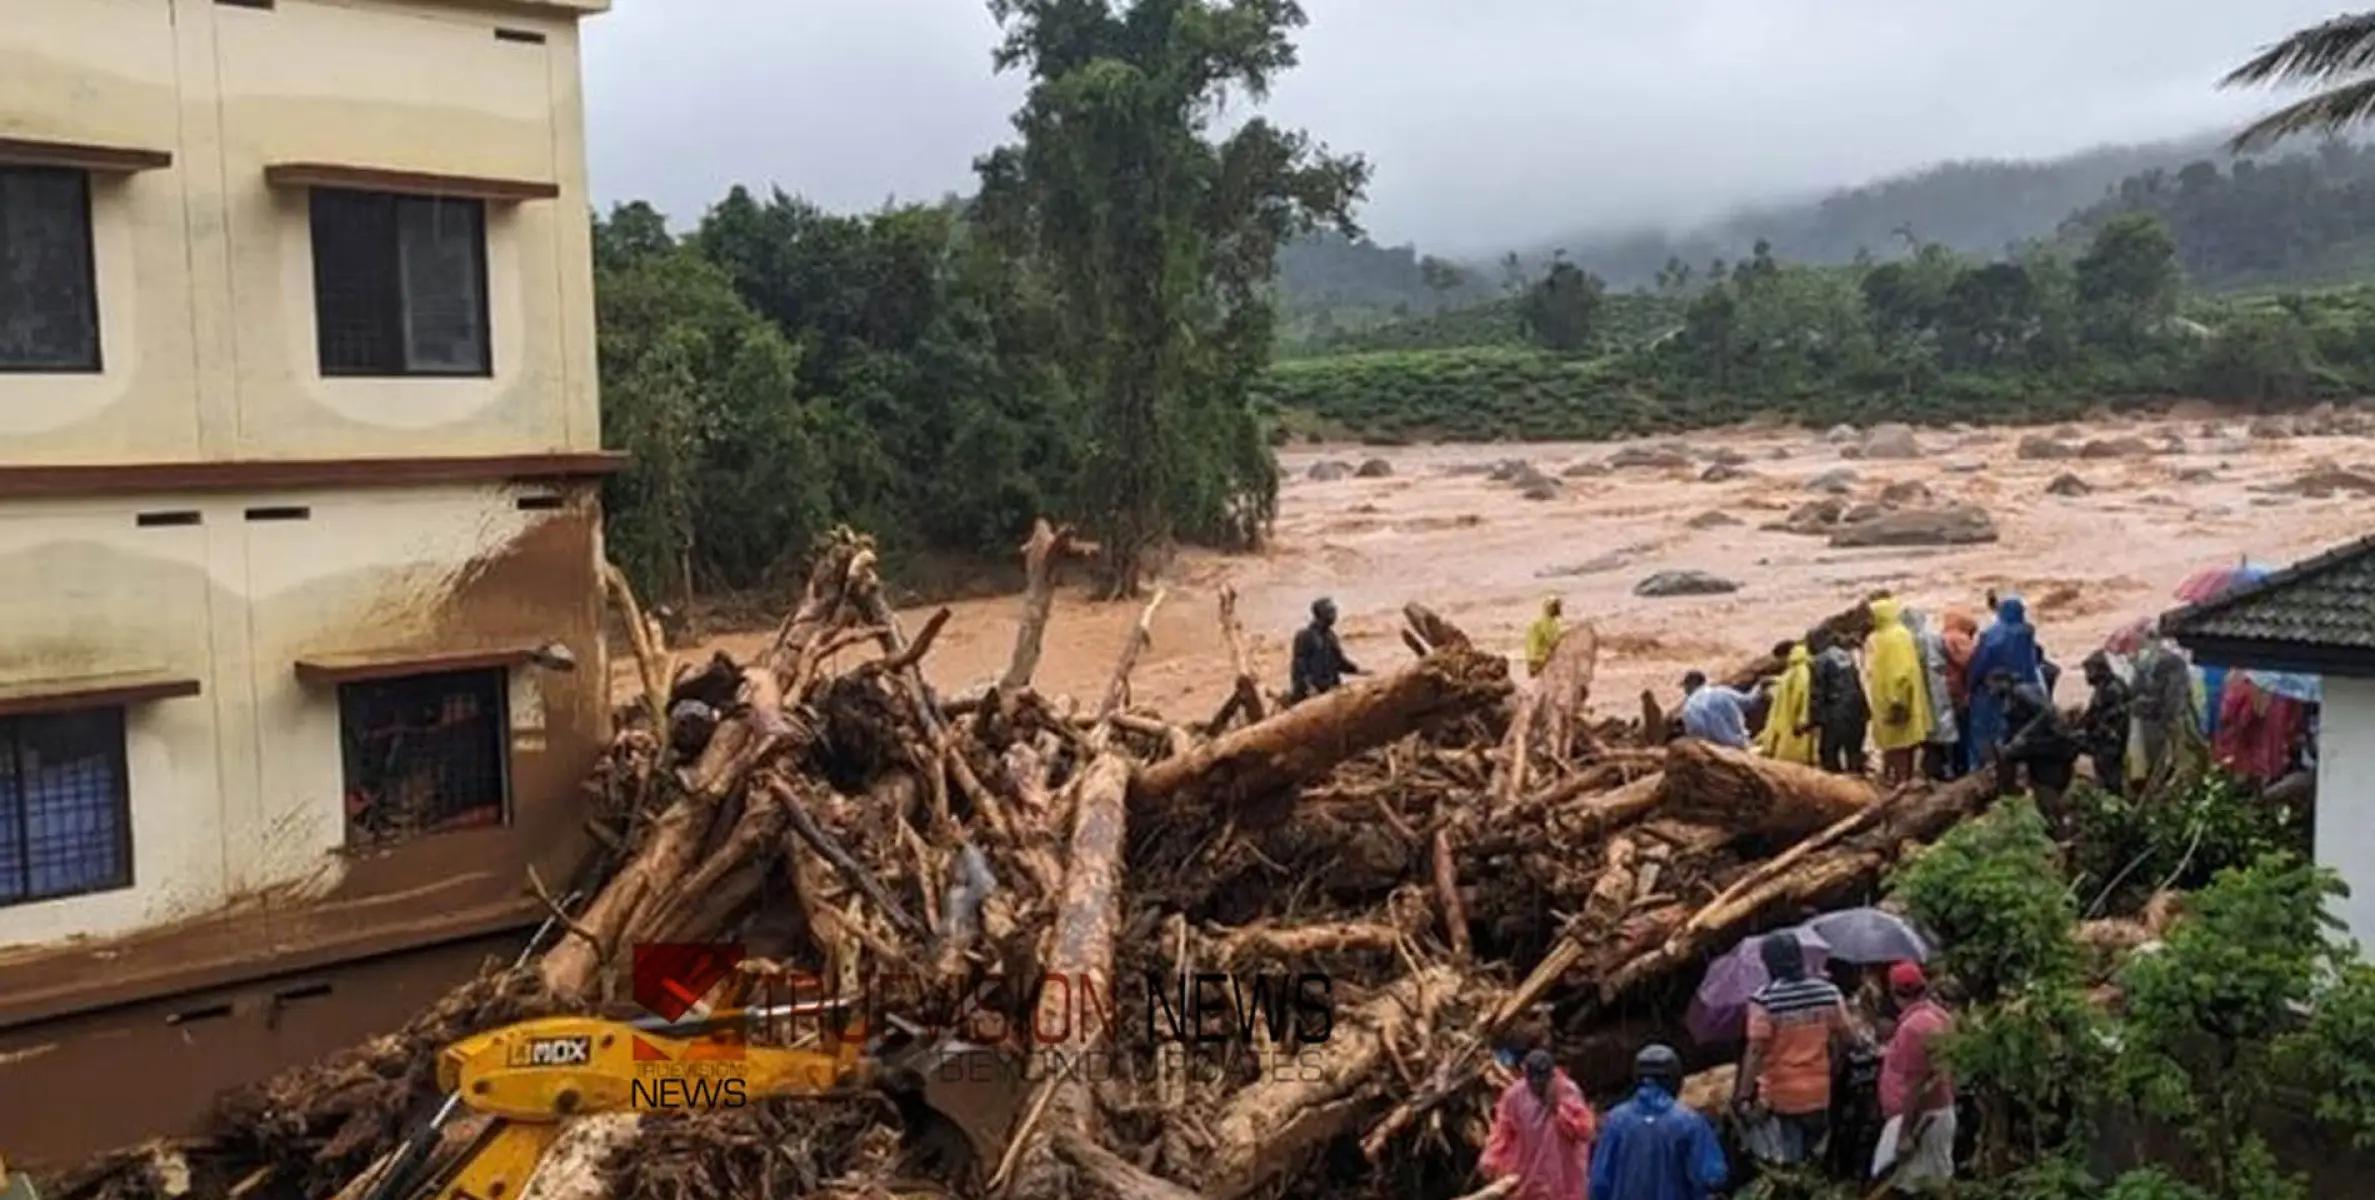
(238, 791)
(205, 273)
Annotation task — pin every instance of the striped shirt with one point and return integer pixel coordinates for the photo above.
(1791, 1025)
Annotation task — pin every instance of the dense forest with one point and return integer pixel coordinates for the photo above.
(1081, 337)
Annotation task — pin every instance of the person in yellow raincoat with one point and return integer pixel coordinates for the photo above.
(1900, 691)
(1542, 637)
(1788, 735)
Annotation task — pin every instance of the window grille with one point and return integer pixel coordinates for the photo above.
(399, 284)
(425, 754)
(65, 812)
(49, 305)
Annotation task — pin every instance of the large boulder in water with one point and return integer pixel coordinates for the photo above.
(2039, 447)
(1664, 457)
(1953, 525)
(1329, 471)
(1891, 441)
(1684, 583)
(1375, 468)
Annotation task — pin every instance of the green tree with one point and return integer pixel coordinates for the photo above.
(1559, 311)
(1160, 243)
(2128, 281)
(2207, 1016)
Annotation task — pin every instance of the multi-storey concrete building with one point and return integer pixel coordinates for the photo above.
(299, 609)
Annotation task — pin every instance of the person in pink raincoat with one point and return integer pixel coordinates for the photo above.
(1542, 1133)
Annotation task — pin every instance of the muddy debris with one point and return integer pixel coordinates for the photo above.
(1461, 856)
(1725, 473)
(1906, 493)
(1584, 470)
(1714, 518)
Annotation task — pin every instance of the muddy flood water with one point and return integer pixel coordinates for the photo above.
(2151, 502)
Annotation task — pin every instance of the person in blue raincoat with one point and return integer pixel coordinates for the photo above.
(1653, 1147)
(2009, 645)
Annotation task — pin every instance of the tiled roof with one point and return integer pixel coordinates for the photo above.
(2321, 603)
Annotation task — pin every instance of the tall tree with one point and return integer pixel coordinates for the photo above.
(2128, 280)
(1160, 241)
(2337, 57)
(1559, 310)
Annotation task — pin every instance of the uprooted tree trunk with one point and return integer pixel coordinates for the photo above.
(1044, 555)
(1712, 785)
(1265, 1128)
(1079, 963)
(1307, 740)
(625, 910)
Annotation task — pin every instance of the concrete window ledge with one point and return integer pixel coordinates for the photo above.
(81, 156)
(414, 183)
(92, 691)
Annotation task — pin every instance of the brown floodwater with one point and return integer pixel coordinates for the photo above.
(1440, 531)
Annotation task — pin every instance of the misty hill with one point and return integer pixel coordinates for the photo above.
(1974, 207)
(1329, 283)
(1977, 207)
(2306, 219)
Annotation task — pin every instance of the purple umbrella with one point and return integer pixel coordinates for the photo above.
(1719, 1009)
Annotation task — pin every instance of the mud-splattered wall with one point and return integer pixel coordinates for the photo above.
(237, 793)
(204, 271)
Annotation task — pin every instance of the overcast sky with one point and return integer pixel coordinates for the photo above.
(1490, 122)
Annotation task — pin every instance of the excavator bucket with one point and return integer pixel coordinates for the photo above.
(981, 1090)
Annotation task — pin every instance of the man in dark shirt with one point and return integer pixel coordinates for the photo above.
(1320, 665)
(2038, 743)
(1841, 712)
(2104, 727)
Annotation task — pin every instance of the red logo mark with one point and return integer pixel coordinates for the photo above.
(671, 977)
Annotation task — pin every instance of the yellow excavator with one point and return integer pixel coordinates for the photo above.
(533, 1076)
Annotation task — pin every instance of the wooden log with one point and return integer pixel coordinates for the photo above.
(1549, 713)
(1245, 690)
(620, 913)
(1756, 797)
(1308, 740)
(1431, 629)
(1113, 1175)
(1303, 941)
(1612, 893)
(1117, 688)
(1079, 961)
(1044, 554)
(1265, 1127)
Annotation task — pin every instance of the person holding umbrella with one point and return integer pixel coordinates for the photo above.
(1797, 1026)
(1916, 1149)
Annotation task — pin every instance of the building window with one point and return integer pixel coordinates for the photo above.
(49, 303)
(424, 754)
(399, 284)
(65, 813)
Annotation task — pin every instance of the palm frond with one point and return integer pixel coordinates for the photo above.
(2329, 111)
(2344, 45)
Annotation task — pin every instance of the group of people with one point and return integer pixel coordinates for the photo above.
(1941, 702)
(1935, 701)
(1800, 1032)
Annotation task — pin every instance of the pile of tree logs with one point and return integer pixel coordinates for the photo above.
(1467, 863)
